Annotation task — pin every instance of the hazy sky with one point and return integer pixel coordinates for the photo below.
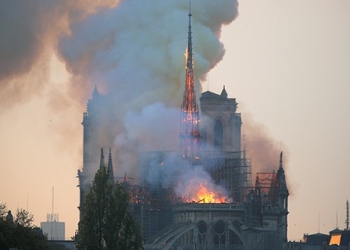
(287, 63)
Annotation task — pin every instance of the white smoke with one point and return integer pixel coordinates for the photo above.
(133, 50)
(134, 53)
(191, 181)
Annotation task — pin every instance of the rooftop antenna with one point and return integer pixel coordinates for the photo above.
(337, 219)
(319, 221)
(52, 219)
(53, 194)
(347, 215)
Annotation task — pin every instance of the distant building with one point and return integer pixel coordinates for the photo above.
(339, 239)
(336, 240)
(52, 228)
(318, 239)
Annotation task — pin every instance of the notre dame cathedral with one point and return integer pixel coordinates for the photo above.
(201, 196)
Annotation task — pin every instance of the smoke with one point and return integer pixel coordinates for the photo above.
(191, 182)
(134, 53)
(152, 128)
(133, 50)
(261, 147)
(30, 31)
(151, 119)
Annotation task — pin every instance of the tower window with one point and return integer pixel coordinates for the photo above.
(218, 135)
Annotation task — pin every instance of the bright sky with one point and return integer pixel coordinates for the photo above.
(287, 64)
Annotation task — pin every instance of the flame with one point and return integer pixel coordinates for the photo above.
(204, 195)
(186, 55)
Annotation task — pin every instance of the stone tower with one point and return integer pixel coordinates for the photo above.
(221, 125)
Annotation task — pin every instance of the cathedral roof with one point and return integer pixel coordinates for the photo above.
(211, 95)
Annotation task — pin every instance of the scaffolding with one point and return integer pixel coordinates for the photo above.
(159, 171)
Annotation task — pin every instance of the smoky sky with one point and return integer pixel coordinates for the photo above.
(110, 43)
(134, 54)
(132, 50)
(30, 31)
(21, 30)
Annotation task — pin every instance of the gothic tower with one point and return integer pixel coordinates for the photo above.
(221, 125)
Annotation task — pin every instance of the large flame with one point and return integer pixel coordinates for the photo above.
(206, 194)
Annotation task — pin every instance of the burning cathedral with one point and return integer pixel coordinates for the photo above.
(202, 195)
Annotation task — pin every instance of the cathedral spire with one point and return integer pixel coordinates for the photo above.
(189, 54)
(281, 176)
(189, 133)
(281, 161)
(110, 166)
(102, 159)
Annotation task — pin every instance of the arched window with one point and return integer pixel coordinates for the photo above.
(218, 135)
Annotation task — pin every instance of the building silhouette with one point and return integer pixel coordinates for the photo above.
(53, 228)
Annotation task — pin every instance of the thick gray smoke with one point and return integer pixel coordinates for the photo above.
(134, 53)
(133, 50)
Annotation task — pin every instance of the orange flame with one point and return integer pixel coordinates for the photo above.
(207, 196)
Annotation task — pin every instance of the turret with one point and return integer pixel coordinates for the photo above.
(95, 93)
(282, 186)
(283, 201)
(223, 92)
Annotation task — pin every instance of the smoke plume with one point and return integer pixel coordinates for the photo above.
(191, 182)
(134, 53)
(30, 31)
(261, 147)
(132, 50)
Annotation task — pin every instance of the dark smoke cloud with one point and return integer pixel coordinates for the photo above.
(21, 30)
(21, 44)
(29, 32)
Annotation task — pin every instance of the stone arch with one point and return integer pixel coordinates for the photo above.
(176, 235)
(232, 226)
